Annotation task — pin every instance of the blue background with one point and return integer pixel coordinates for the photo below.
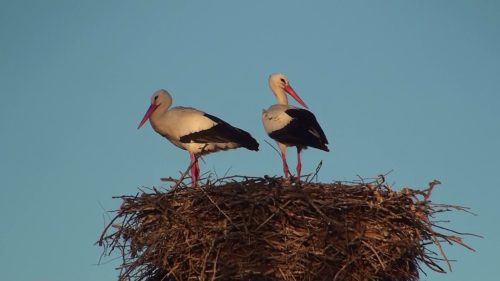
(409, 86)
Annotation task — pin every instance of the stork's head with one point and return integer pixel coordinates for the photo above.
(159, 98)
(279, 83)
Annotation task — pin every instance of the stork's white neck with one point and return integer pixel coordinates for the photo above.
(159, 113)
(280, 94)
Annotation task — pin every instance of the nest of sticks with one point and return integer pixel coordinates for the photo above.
(252, 228)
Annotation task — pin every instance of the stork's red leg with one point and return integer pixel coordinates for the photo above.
(194, 169)
(285, 165)
(197, 165)
(299, 163)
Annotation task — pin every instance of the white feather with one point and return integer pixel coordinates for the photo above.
(275, 117)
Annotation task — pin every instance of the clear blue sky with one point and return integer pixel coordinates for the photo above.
(409, 86)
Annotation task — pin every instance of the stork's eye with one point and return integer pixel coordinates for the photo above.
(156, 97)
(283, 80)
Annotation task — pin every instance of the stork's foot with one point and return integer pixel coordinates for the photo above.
(287, 180)
(295, 180)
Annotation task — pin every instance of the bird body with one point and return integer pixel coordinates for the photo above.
(294, 126)
(200, 133)
(194, 130)
(275, 117)
(290, 125)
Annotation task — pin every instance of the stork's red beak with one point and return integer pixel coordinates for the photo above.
(151, 108)
(294, 95)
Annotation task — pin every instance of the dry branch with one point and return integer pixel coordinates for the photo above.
(249, 228)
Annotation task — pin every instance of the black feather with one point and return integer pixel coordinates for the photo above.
(220, 133)
(302, 131)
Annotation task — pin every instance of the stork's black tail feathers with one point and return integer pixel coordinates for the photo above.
(246, 140)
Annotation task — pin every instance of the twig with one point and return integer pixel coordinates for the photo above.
(218, 208)
(280, 209)
(316, 172)
(272, 146)
(374, 252)
(269, 228)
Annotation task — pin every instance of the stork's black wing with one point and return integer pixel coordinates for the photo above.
(222, 132)
(303, 130)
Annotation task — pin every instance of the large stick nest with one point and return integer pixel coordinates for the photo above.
(242, 228)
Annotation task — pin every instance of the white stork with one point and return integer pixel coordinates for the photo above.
(289, 125)
(193, 130)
